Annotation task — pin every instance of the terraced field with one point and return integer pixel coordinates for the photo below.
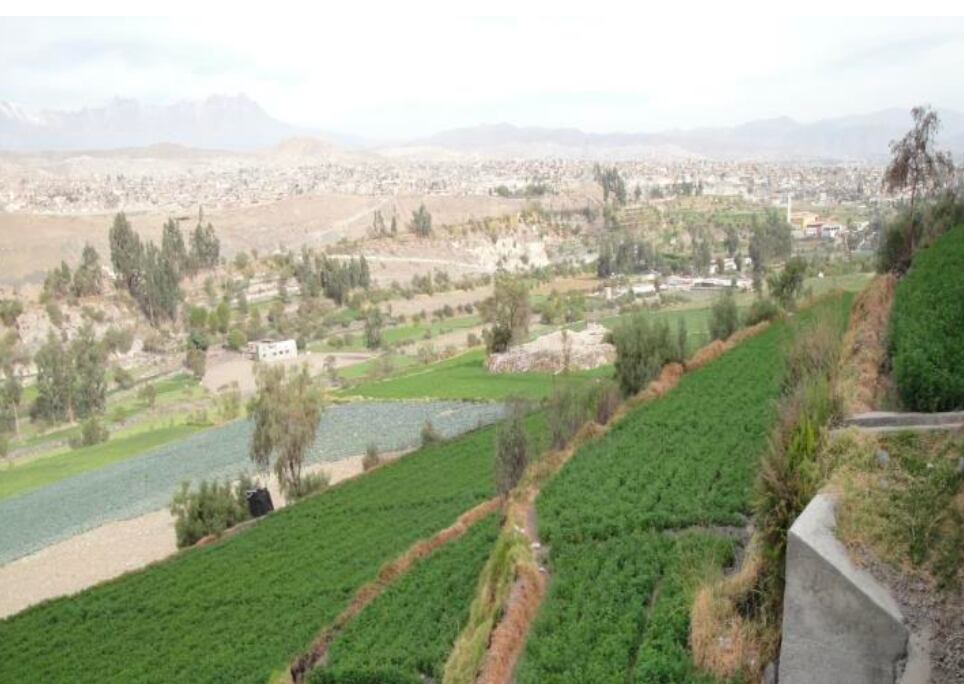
(238, 611)
(405, 635)
(628, 511)
(465, 377)
(145, 483)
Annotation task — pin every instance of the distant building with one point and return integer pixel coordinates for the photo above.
(271, 350)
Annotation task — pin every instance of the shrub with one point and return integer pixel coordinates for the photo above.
(229, 402)
(568, 409)
(642, 349)
(196, 362)
(925, 327)
(212, 509)
(118, 340)
(236, 339)
(306, 485)
(54, 313)
(724, 317)
(606, 401)
(10, 310)
(122, 377)
(91, 433)
(511, 449)
(147, 394)
(761, 310)
(371, 459)
(429, 434)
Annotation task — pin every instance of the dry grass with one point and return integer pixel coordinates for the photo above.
(729, 638)
(862, 383)
(388, 574)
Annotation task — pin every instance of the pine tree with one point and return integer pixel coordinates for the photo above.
(54, 383)
(126, 252)
(89, 372)
(88, 276)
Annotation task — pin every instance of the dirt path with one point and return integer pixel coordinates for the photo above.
(113, 549)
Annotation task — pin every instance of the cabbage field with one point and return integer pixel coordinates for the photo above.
(145, 483)
(405, 635)
(241, 609)
(618, 604)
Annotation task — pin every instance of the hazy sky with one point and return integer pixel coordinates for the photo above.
(396, 77)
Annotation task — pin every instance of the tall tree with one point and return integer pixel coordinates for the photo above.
(126, 252)
(917, 166)
(285, 411)
(421, 223)
(54, 383)
(507, 311)
(172, 247)
(89, 373)
(88, 276)
(732, 240)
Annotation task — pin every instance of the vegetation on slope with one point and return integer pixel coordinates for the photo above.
(465, 377)
(405, 635)
(926, 327)
(685, 461)
(238, 610)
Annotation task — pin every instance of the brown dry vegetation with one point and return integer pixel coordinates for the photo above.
(726, 638)
(864, 353)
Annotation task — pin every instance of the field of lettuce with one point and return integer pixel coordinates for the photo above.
(405, 635)
(145, 483)
(618, 604)
(240, 610)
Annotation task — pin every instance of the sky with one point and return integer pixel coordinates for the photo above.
(402, 77)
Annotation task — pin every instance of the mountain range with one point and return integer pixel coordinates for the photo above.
(237, 123)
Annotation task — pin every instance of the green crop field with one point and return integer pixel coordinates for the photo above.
(465, 377)
(239, 610)
(34, 473)
(927, 327)
(680, 463)
(405, 635)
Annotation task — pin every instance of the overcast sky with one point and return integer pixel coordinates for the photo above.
(399, 78)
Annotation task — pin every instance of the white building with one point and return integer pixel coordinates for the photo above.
(271, 350)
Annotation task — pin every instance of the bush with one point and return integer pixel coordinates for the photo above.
(371, 459)
(642, 349)
(568, 409)
(925, 346)
(122, 377)
(236, 339)
(117, 340)
(307, 484)
(429, 434)
(212, 509)
(91, 433)
(761, 310)
(196, 362)
(148, 394)
(606, 401)
(724, 317)
(511, 449)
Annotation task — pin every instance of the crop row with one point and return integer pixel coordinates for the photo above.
(927, 325)
(405, 635)
(240, 610)
(145, 483)
(618, 603)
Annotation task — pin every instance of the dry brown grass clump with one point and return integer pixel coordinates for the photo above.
(508, 637)
(729, 636)
(864, 350)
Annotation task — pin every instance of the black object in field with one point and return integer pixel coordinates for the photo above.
(259, 502)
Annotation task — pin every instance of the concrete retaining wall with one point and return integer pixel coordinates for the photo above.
(839, 624)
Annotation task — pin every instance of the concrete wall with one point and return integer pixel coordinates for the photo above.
(839, 624)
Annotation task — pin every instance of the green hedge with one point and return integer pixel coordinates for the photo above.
(927, 327)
